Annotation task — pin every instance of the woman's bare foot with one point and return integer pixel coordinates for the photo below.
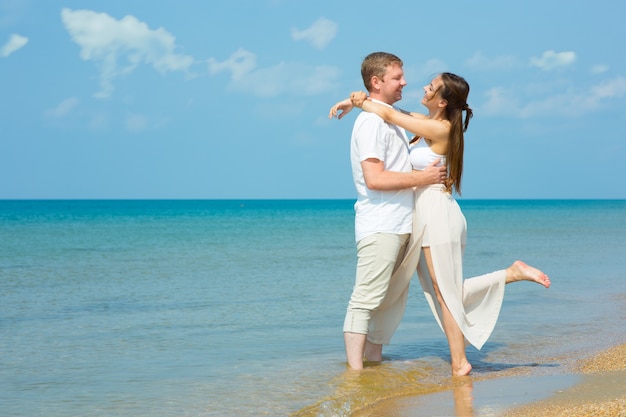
(519, 271)
(462, 370)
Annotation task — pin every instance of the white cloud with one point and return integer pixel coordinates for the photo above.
(551, 60)
(239, 64)
(294, 78)
(502, 102)
(319, 35)
(69, 114)
(416, 77)
(108, 41)
(599, 69)
(63, 108)
(615, 88)
(480, 62)
(136, 123)
(99, 121)
(14, 43)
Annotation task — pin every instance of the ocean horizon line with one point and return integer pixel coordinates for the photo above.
(297, 199)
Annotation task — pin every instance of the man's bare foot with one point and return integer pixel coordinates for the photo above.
(519, 271)
(463, 370)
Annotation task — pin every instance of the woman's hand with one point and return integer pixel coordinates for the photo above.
(344, 106)
(357, 98)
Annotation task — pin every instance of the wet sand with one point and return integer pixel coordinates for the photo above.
(594, 386)
(602, 391)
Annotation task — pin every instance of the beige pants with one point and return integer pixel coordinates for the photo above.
(386, 319)
(379, 256)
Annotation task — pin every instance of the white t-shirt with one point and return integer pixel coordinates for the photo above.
(380, 211)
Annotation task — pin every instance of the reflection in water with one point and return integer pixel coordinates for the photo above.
(463, 398)
(356, 390)
(385, 387)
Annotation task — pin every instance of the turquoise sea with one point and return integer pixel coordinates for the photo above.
(235, 308)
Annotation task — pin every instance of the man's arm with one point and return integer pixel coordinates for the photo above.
(377, 178)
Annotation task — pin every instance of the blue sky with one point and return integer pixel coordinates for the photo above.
(229, 99)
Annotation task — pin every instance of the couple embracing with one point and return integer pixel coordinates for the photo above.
(406, 217)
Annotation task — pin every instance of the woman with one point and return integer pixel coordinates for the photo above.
(465, 309)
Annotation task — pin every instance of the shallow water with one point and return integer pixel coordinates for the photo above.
(234, 308)
(490, 398)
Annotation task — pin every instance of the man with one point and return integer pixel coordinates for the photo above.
(383, 178)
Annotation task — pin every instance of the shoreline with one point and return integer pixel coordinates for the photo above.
(592, 386)
(602, 391)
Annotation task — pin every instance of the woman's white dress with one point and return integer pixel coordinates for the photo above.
(438, 223)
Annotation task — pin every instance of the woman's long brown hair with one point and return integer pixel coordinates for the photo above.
(455, 91)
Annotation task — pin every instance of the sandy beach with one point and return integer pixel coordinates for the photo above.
(593, 386)
(601, 393)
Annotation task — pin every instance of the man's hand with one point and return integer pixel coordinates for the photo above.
(434, 174)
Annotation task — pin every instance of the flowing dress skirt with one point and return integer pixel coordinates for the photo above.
(474, 303)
